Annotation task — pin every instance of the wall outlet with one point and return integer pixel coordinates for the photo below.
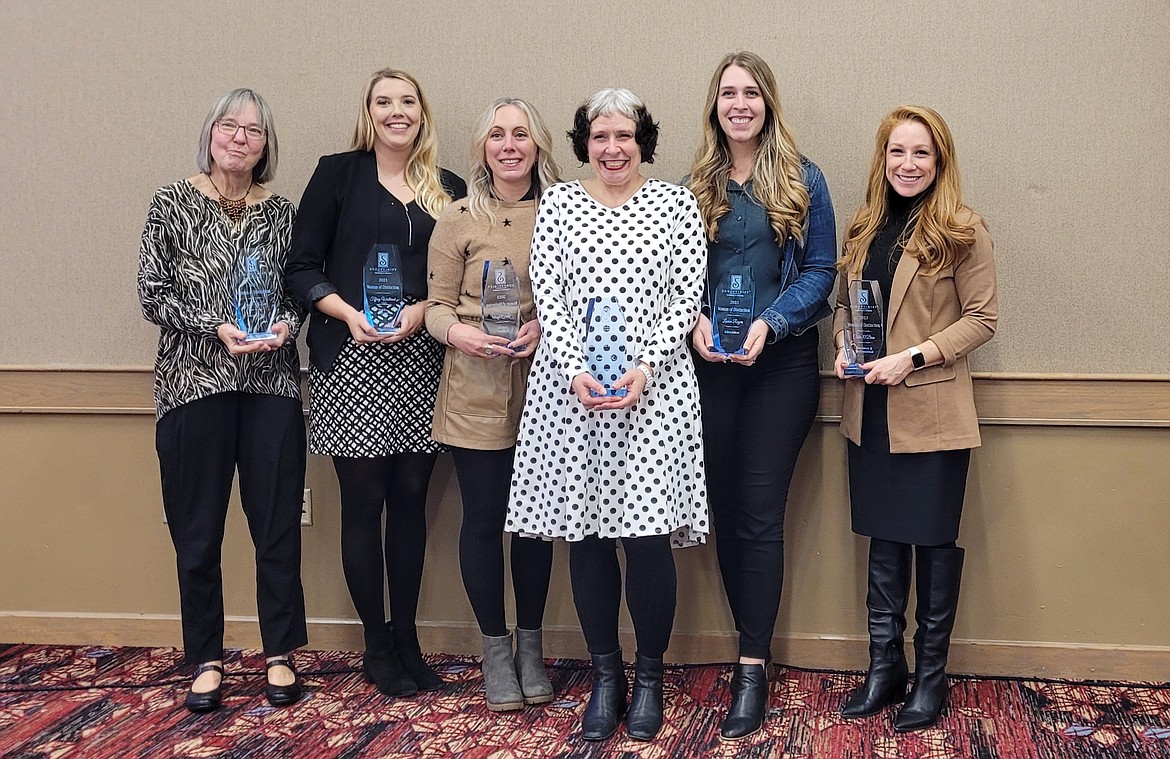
(307, 509)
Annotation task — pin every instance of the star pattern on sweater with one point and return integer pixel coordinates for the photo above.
(507, 222)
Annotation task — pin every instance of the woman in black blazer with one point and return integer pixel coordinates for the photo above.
(371, 395)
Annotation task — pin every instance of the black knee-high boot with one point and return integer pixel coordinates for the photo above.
(939, 571)
(889, 588)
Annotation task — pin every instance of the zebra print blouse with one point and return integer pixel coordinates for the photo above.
(188, 255)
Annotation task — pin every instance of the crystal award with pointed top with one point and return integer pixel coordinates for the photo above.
(732, 310)
(254, 296)
(606, 344)
(865, 331)
(500, 299)
(382, 290)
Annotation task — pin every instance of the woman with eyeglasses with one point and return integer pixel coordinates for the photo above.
(227, 394)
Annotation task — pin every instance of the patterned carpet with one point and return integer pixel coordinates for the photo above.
(58, 701)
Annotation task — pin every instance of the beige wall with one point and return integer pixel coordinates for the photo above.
(1065, 529)
(1059, 110)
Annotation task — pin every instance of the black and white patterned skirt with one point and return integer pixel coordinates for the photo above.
(377, 399)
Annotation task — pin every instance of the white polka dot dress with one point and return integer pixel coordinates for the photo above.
(633, 472)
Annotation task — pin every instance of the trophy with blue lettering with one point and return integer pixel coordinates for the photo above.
(500, 299)
(865, 330)
(606, 344)
(382, 291)
(733, 310)
(254, 296)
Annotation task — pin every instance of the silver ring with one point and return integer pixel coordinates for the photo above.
(488, 350)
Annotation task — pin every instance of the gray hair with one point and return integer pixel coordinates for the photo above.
(231, 102)
(614, 100)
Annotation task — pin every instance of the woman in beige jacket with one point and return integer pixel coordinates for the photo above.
(481, 392)
(911, 420)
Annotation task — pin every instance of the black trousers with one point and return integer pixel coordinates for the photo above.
(200, 446)
(755, 421)
(484, 480)
(651, 591)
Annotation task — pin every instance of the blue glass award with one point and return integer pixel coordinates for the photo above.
(382, 292)
(254, 296)
(865, 331)
(605, 344)
(733, 310)
(500, 299)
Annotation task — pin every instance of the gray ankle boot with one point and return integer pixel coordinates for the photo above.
(501, 687)
(534, 680)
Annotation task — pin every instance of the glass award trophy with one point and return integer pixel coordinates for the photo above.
(254, 296)
(865, 332)
(605, 344)
(500, 299)
(732, 310)
(382, 293)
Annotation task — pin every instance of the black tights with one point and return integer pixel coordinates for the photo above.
(484, 480)
(650, 591)
(398, 484)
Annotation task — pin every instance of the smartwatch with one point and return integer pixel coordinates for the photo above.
(916, 357)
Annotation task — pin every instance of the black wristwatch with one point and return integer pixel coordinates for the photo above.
(916, 357)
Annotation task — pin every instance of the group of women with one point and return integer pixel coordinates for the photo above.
(613, 414)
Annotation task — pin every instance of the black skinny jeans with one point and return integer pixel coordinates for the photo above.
(755, 421)
(484, 480)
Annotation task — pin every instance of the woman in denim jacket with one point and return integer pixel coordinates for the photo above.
(769, 222)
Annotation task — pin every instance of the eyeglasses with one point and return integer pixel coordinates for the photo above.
(228, 128)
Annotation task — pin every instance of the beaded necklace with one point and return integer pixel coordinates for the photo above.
(233, 209)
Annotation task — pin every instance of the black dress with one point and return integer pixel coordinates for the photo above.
(902, 497)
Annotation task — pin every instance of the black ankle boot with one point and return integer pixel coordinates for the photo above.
(410, 654)
(750, 688)
(938, 577)
(607, 700)
(889, 588)
(381, 666)
(644, 719)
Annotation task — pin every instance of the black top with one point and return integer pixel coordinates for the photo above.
(344, 211)
(885, 251)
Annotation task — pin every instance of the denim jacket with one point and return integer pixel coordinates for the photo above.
(793, 283)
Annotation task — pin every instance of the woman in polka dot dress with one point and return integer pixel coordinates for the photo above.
(610, 440)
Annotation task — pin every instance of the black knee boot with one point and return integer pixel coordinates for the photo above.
(607, 700)
(938, 572)
(645, 717)
(889, 587)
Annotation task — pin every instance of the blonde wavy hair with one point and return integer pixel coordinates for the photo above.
(422, 166)
(941, 225)
(481, 194)
(777, 177)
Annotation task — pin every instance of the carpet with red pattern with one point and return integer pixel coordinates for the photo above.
(61, 701)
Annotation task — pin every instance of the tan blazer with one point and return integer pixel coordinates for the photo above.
(933, 409)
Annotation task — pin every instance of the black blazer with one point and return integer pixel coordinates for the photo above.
(343, 212)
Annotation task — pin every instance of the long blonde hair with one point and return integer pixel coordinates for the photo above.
(481, 197)
(422, 165)
(941, 223)
(777, 176)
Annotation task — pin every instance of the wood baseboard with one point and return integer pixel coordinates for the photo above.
(974, 657)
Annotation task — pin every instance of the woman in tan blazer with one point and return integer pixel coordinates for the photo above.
(911, 420)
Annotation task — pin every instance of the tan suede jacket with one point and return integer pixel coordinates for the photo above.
(933, 409)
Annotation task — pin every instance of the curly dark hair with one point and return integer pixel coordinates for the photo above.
(610, 102)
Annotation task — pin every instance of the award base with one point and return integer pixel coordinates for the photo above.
(255, 337)
(855, 370)
(621, 392)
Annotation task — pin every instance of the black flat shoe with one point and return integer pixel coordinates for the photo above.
(208, 701)
(284, 695)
